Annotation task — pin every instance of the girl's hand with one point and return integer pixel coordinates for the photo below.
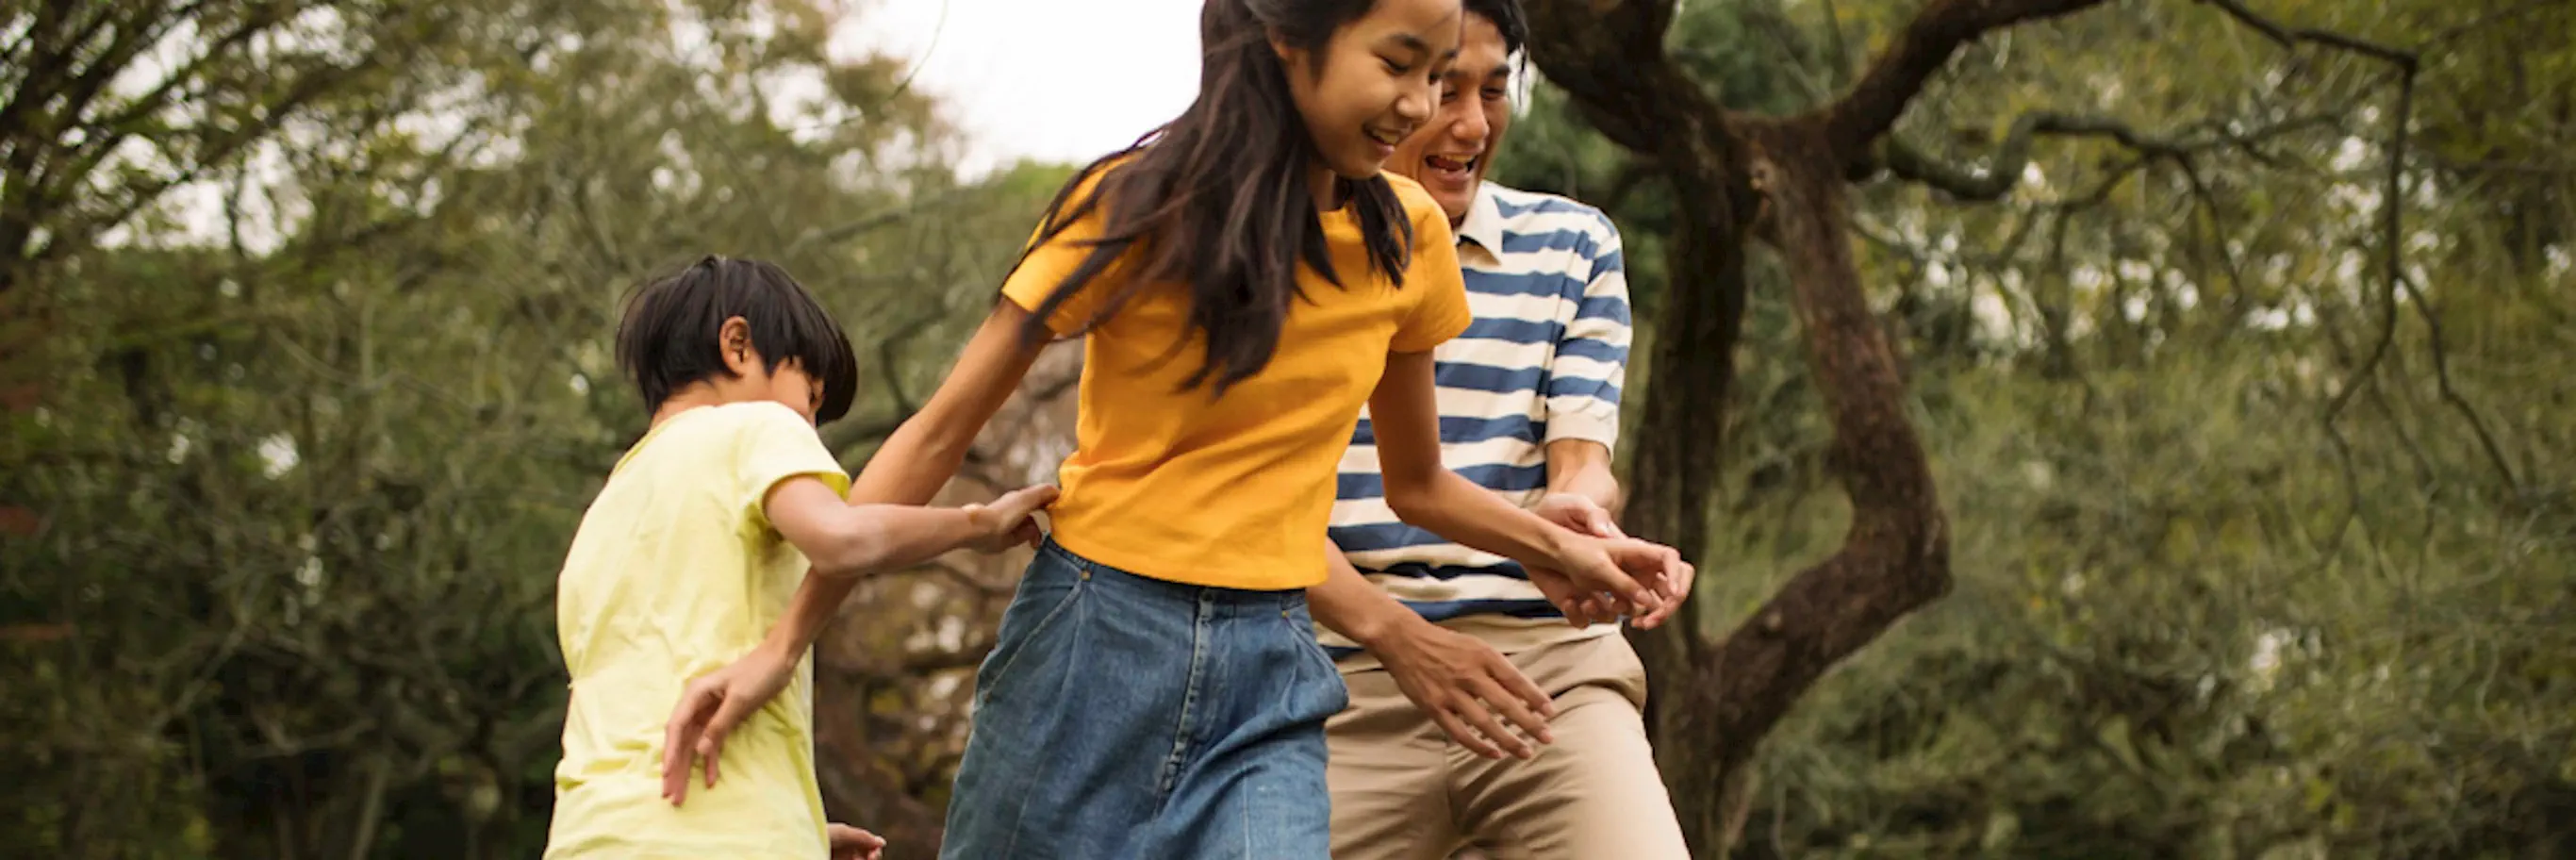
(1634, 577)
(1471, 690)
(1586, 517)
(1581, 609)
(1011, 520)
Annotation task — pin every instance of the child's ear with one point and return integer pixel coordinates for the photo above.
(733, 343)
(1288, 53)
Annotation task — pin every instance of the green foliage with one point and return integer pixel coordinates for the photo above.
(2202, 609)
(313, 429)
(322, 386)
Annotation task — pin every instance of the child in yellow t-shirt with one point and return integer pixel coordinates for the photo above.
(692, 550)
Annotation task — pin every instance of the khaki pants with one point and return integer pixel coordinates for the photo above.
(1402, 791)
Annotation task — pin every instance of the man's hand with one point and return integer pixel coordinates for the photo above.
(1579, 513)
(851, 843)
(710, 707)
(1463, 683)
(1011, 520)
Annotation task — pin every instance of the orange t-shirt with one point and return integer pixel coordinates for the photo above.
(1233, 491)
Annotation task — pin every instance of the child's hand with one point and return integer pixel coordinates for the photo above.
(710, 707)
(851, 843)
(1010, 521)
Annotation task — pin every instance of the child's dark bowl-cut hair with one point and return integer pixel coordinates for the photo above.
(666, 337)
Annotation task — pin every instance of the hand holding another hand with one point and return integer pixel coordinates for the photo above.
(1608, 574)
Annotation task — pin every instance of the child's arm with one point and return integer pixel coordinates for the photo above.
(907, 470)
(920, 457)
(845, 541)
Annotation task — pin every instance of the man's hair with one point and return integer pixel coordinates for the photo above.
(667, 335)
(1507, 17)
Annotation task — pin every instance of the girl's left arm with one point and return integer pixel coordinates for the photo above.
(1404, 413)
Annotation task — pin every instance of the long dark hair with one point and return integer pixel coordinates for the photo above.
(1218, 198)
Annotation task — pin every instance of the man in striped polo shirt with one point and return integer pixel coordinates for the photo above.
(1463, 644)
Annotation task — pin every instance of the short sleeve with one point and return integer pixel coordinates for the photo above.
(1591, 358)
(773, 444)
(1046, 265)
(1439, 290)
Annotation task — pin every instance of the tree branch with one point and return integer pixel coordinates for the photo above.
(1895, 555)
(2392, 236)
(872, 221)
(48, 67)
(2012, 156)
(2291, 36)
(1613, 64)
(1841, 47)
(849, 435)
(1855, 122)
(2442, 379)
(926, 662)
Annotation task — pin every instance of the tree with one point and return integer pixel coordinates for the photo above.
(1785, 180)
(323, 398)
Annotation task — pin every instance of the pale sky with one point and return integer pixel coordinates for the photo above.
(1062, 80)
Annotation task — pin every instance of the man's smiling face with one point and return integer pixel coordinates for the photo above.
(1450, 154)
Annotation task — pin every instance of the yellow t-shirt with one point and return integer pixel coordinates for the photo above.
(674, 573)
(1233, 492)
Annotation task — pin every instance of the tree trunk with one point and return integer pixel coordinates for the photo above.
(1712, 704)
(1673, 460)
(1895, 557)
(1715, 704)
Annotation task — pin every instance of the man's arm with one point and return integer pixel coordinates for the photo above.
(1585, 374)
(1581, 467)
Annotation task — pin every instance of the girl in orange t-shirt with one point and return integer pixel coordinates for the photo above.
(1246, 278)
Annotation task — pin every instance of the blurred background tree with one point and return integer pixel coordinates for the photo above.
(2256, 490)
(2259, 525)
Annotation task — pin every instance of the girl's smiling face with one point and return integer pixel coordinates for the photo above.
(1374, 82)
